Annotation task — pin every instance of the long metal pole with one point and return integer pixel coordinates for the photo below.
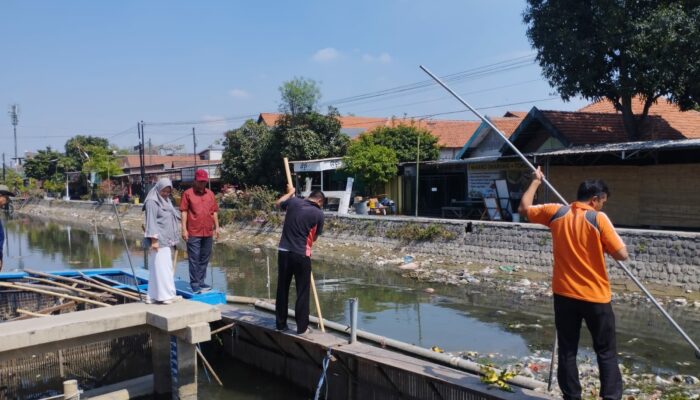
(126, 248)
(620, 263)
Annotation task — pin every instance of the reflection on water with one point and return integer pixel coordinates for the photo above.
(463, 318)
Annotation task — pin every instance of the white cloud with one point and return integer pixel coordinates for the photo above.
(239, 93)
(383, 58)
(326, 55)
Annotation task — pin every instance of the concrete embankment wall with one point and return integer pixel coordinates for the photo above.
(661, 257)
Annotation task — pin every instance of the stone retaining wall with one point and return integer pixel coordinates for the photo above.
(663, 257)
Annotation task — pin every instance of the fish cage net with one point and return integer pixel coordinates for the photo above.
(93, 365)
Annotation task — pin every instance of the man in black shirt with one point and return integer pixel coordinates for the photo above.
(303, 223)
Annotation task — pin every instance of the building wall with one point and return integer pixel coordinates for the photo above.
(655, 195)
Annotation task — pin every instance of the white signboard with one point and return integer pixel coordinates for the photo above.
(345, 199)
(318, 166)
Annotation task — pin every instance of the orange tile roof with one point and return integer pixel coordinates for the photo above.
(685, 122)
(508, 125)
(450, 134)
(596, 128)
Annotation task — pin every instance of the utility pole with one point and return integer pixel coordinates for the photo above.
(3, 168)
(142, 162)
(14, 112)
(142, 195)
(194, 141)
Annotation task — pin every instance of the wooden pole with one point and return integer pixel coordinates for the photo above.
(65, 296)
(223, 328)
(208, 367)
(99, 296)
(174, 261)
(71, 280)
(46, 311)
(31, 313)
(313, 282)
(108, 288)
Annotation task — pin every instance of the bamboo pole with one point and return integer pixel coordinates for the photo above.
(42, 291)
(108, 288)
(98, 296)
(46, 311)
(207, 366)
(174, 260)
(223, 328)
(313, 282)
(31, 313)
(67, 279)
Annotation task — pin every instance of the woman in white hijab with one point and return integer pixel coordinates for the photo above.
(162, 233)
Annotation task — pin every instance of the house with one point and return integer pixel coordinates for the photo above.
(446, 180)
(653, 180)
(179, 169)
(451, 135)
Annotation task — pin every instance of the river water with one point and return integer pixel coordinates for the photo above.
(500, 327)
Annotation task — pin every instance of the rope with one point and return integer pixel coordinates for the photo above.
(323, 377)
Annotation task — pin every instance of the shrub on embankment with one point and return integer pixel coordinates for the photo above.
(255, 204)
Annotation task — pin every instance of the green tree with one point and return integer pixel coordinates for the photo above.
(311, 135)
(618, 50)
(244, 154)
(13, 180)
(300, 95)
(76, 148)
(371, 163)
(101, 160)
(253, 153)
(48, 164)
(403, 139)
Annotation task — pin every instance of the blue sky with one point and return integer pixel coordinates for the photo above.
(98, 67)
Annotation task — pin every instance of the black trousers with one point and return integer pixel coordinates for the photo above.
(298, 266)
(600, 320)
(198, 252)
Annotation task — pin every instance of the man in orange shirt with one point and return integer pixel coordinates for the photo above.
(581, 234)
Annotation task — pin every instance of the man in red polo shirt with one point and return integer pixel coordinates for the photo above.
(581, 235)
(200, 223)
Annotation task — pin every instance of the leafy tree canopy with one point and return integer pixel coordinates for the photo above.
(48, 164)
(300, 95)
(101, 160)
(76, 147)
(403, 139)
(245, 148)
(253, 153)
(371, 163)
(618, 50)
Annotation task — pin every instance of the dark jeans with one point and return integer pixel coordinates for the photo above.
(600, 320)
(293, 265)
(198, 252)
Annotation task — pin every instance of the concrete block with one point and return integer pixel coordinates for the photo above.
(33, 332)
(195, 333)
(179, 315)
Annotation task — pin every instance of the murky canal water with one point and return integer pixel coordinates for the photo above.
(501, 327)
